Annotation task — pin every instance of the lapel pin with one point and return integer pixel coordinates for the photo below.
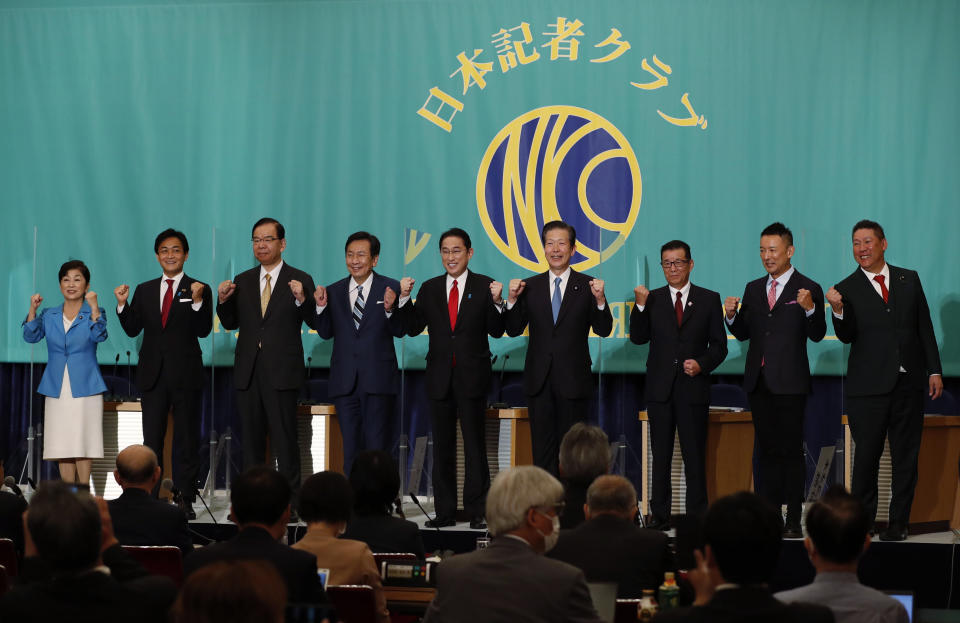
(469, 295)
(575, 288)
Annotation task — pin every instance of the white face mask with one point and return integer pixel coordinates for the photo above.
(549, 540)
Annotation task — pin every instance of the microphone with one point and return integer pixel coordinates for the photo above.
(500, 404)
(209, 512)
(129, 382)
(32, 484)
(422, 510)
(494, 360)
(167, 485)
(116, 363)
(309, 368)
(12, 485)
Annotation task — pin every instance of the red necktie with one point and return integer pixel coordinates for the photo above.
(678, 307)
(167, 300)
(772, 294)
(452, 303)
(883, 288)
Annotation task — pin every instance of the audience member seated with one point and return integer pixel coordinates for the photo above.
(11, 520)
(244, 591)
(584, 455)
(510, 580)
(609, 547)
(326, 501)
(742, 537)
(260, 506)
(76, 571)
(375, 480)
(138, 517)
(838, 533)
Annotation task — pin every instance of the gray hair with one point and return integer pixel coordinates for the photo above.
(517, 490)
(612, 494)
(584, 452)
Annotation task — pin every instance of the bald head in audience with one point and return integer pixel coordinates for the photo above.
(137, 468)
(611, 495)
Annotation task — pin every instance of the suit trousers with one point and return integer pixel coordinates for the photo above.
(263, 409)
(689, 420)
(898, 414)
(551, 416)
(476, 481)
(778, 443)
(363, 421)
(155, 404)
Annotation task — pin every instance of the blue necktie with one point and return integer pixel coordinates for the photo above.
(555, 302)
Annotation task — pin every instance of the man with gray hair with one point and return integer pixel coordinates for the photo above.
(609, 547)
(509, 580)
(584, 455)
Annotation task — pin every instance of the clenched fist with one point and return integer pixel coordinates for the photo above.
(804, 299)
(406, 286)
(122, 292)
(835, 299)
(730, 306)
(389, 298)
(640, 294)
(320, 296)
(496, 291)
(515, 289)
(596, 287)
(225, 290)
(297, 288)
(196, 291)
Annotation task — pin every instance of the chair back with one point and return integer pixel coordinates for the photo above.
(163, 560)
(4, 580)
(354, 603)
(8, 557)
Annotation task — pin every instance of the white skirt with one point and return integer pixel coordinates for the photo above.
(73, 427)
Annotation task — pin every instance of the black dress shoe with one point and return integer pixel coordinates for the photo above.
(477, 523)
(656, 523)
(190, 513)
(440, 522)
(792, 531)
(894, 532)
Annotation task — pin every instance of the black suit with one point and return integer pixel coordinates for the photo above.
(140, 519)
(777, 379)
(11, 519)
(297, 567)
(556, 375)
(170, 369)
(747, 605)
(268, 365)
(884, 338)
(386, 534)
(674, 399)
(457, 377)
(608, 548)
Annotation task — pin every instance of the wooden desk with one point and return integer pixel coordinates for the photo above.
(521, 448)
(319, 439)
(729, 458)
(938, 487)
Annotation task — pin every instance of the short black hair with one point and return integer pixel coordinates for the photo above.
(172, 233)
(744, 532)
(571, 232)
(868, 224)
(676, 244)
(375, 481)
(326, 496)
(838, 524)
(259, 495)
(364, 235)
(459, 233)
(779, 229)
(281, 232)
(65, 526)
(74, 265)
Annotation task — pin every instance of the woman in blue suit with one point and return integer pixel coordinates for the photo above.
(73, 411)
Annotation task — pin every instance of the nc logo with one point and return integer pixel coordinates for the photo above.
(558, 163)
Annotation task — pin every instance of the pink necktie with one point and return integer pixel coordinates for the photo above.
(772, 294)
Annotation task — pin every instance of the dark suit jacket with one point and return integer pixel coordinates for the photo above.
(11, 519)
(747, 605)
(278, 331)
(510, 583)
(562, 350)
(885, 336)
(176, 344)
(140, 519)
(385, 534)
(363, 359)
(778, 336)
(612, 549)
(700, 336)
(477, 317)
(575, 496)
(297, 568)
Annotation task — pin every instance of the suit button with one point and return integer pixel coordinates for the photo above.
(770, 315)
(767, 333)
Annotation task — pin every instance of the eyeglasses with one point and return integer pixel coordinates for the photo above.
(674, 264)
(267, 239)
(557, 508)
(452, 252)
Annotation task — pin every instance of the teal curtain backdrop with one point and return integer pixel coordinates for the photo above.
(119, 119)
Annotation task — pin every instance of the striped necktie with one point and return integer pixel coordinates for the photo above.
(358, 308)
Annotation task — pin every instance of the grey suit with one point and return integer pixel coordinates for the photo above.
(509, 582)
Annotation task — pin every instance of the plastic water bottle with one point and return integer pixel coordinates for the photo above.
(669, 592)
(647, 608)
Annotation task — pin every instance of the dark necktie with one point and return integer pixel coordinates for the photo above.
(883, 288)
(167, 301)
(358, 308)
(555, 303)
(678, 307)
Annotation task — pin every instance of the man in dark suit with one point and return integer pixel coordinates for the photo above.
(173, 312)
(260, 506)
(364, 377)
(778, 314)
(881, 311)
(560, 306)
(687, 342)
(608, 547)
(511, 580)
(459, 310)
(742, 537)
(268, 304)
(138, 517)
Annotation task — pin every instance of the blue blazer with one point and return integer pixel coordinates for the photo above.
(76, 349)
(363, 360)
